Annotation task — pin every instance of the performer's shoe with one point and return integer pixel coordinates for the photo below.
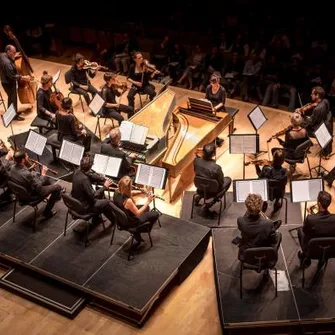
(304, 262)
(197, 199)
(264, 206)
(19, 118)
(49, 214)
(277, 224)
(219, 141)
(276, 207)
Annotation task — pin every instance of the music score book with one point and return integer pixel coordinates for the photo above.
(8, 116)
(304, 190)
(134, 133)
(56, 77)
(150, 175)
(323, 135)
(96, 104)
(243, 187)
(243, 143)
(35, 142)
(257, 118)
(71, 152)
(107, 165)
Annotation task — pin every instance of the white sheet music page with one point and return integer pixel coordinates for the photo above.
(96, 104)
(314, 187)
(65, 150)
(143, 174)
(260, 187)
(9, 115)
(236, 144)
(36, 142)
(126, 128)
(243, 189)
(77, 154)
(71, 152)
(257, 117)
(113, 166)
(139, 134)
(249, 144)
(323, 136)
(157, 177)
(100, 163)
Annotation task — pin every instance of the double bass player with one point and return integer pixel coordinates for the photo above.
(10, 76)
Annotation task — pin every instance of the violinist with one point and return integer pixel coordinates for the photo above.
(295, 135)
(68, 126)
(316, 112)
(109, 92)
(275, 171)
(79, 77)
(45, 109)
(139, 76)
(10, 76)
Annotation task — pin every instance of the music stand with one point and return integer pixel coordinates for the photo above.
(95, 106)
(7, 118)
(35, 143)
(243, 144)
(71, 152)
(323, 137)
(153, 176)
(243, 187)
(257, 119)
(107, 165)
(305, 190)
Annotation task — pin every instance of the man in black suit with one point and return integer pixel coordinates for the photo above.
(83, 190)
(321, 224)
(256, 229)
(38, 187)
(111, 147)
(206, 167)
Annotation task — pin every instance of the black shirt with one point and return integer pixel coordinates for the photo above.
(109, 94)
(8, 70)
(43, 103)
(119, 200)
(79, 77)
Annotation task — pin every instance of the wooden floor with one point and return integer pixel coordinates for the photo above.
(190, 308)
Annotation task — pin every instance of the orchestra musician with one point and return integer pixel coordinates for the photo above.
(316, 112)
(68, 126)
(320, 224)
(10, 77)
(109, 92)
(111, 147)
(206, 167)
(295, 135)
(79, 77)
(139, 76)
(136, 214)
(216, 94)
(37, 186)
(275, 171)
(45, 109)
(82, 190)
(256, 229)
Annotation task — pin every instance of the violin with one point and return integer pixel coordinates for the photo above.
(280, 133)
(260, 162)
(306, 107)
(93, 66)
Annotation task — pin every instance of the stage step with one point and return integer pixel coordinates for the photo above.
(44, 291)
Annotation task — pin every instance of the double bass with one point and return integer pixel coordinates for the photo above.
(26, 89)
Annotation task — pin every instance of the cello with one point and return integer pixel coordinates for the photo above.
(26, 89)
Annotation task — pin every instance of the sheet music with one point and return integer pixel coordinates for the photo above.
(257, 117)
(245, 187)
(133, 132)
(106, 165)
(96, 104)
(71, 152)
(55, 77)
(35, 142)
(149, 175)
(126, 129)
(139, 134)
(8, 115)
(306, 189)
(243, 144)
(323, 136)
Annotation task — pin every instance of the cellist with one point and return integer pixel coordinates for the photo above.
(10, 76)
(45, 109)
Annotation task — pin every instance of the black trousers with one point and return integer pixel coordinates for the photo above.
(115, 113)
(11, 91)
(54, 190)
(102, 206)
(146, 89)
(91, 89)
